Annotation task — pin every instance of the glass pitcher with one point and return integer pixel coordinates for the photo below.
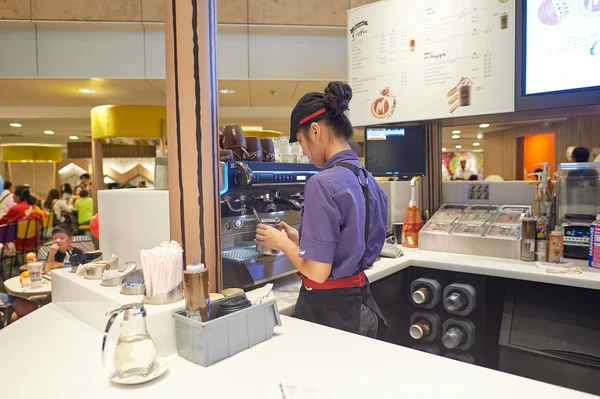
(134, 353)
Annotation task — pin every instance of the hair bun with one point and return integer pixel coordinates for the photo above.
(337, 98)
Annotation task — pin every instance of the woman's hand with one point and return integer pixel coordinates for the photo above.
(270, 237)
(291, 232)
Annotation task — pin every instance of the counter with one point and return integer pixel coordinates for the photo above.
(61, 355)
(286, 290)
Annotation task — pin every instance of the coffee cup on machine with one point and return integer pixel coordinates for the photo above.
(268, 150)
(226, 156)
(235, 140)
(254, 148)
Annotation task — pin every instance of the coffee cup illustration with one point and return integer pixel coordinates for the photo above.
(460, 95)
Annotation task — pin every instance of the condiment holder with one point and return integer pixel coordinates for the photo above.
(94, 271)
(175, 295)
(133, 283)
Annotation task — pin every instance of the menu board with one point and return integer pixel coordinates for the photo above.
(562, 45)
(430, 59)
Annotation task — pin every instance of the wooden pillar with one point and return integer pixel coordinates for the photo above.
(194, 207)
(431, 186)
(97, 172)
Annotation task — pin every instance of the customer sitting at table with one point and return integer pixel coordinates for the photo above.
(25, 207)
(22, 307)
(54, 203)
(62, 238)
(84, 207)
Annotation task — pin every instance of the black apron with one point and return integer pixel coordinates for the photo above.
(341, 307)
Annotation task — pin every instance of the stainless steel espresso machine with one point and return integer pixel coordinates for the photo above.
(578, 203)
(275, 191)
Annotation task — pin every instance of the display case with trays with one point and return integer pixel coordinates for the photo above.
(475, 230)
(479, 213)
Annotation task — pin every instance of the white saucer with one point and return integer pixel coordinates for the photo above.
(162, 367)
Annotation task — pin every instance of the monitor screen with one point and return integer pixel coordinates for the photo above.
(561, 46)
(395, 151)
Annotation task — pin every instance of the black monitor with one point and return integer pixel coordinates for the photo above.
(395, 151)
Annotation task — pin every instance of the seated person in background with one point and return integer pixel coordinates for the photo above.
(62, 237)
(6, 200)
(473, 178)
(84, 207)
(54, 203)
(142, 184)
(25, 207)
(22, 307)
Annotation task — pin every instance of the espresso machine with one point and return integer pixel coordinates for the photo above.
(578, 203)
(275, 191)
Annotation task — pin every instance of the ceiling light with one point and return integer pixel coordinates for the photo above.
(226, 91)
(443, 149)
(484, 125)
(459, 146)
(48, 132)
(456, 132)
(476, 144)
(74, 137)
(87, 91)
(456, 136)
(16, 125)
(479, 136)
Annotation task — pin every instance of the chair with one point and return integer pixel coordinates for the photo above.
(28, 239)
(47, 226)
(81, 242)
(8, 234)
(84, 230)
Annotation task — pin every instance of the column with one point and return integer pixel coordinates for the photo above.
(431, 186)
(192, 126)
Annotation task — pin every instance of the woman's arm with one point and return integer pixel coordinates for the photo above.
(279, 240)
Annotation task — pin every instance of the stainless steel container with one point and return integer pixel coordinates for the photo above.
(261, 249)
(529, 231)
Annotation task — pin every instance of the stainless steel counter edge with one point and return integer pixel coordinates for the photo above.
(286, 292)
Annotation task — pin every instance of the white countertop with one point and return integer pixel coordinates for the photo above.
(286, 291)
(51, 353)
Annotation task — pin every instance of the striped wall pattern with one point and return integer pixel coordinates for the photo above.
(194, 210)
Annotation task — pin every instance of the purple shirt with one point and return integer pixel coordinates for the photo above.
(332, 227)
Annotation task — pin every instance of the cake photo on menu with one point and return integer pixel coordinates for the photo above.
(384, 105)
(553, 12)
(460, 95)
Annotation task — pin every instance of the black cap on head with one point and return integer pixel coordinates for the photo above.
(314, 107)
(310, 108)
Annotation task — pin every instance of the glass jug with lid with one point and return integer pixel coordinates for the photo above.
(133, 353)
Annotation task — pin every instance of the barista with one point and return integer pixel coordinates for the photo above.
(343, 224)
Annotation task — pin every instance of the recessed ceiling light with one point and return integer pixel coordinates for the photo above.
(443, 149)
(479, 136)
(74, 137)
(476, 144)
(456, 136)
(226, 91)
(16, 125)
(484, 125)
(456, 132)
(87, 91)
(459, 146)
(48, 132)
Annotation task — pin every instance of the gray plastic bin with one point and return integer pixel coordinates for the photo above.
(220, 338)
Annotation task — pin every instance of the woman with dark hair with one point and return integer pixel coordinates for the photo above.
(59, 206)
(53, 195)
(66, 191)
(343, 225)
(24, 208)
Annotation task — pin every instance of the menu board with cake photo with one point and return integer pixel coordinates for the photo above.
(432, 59)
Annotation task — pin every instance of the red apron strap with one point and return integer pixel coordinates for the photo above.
(355, 281)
